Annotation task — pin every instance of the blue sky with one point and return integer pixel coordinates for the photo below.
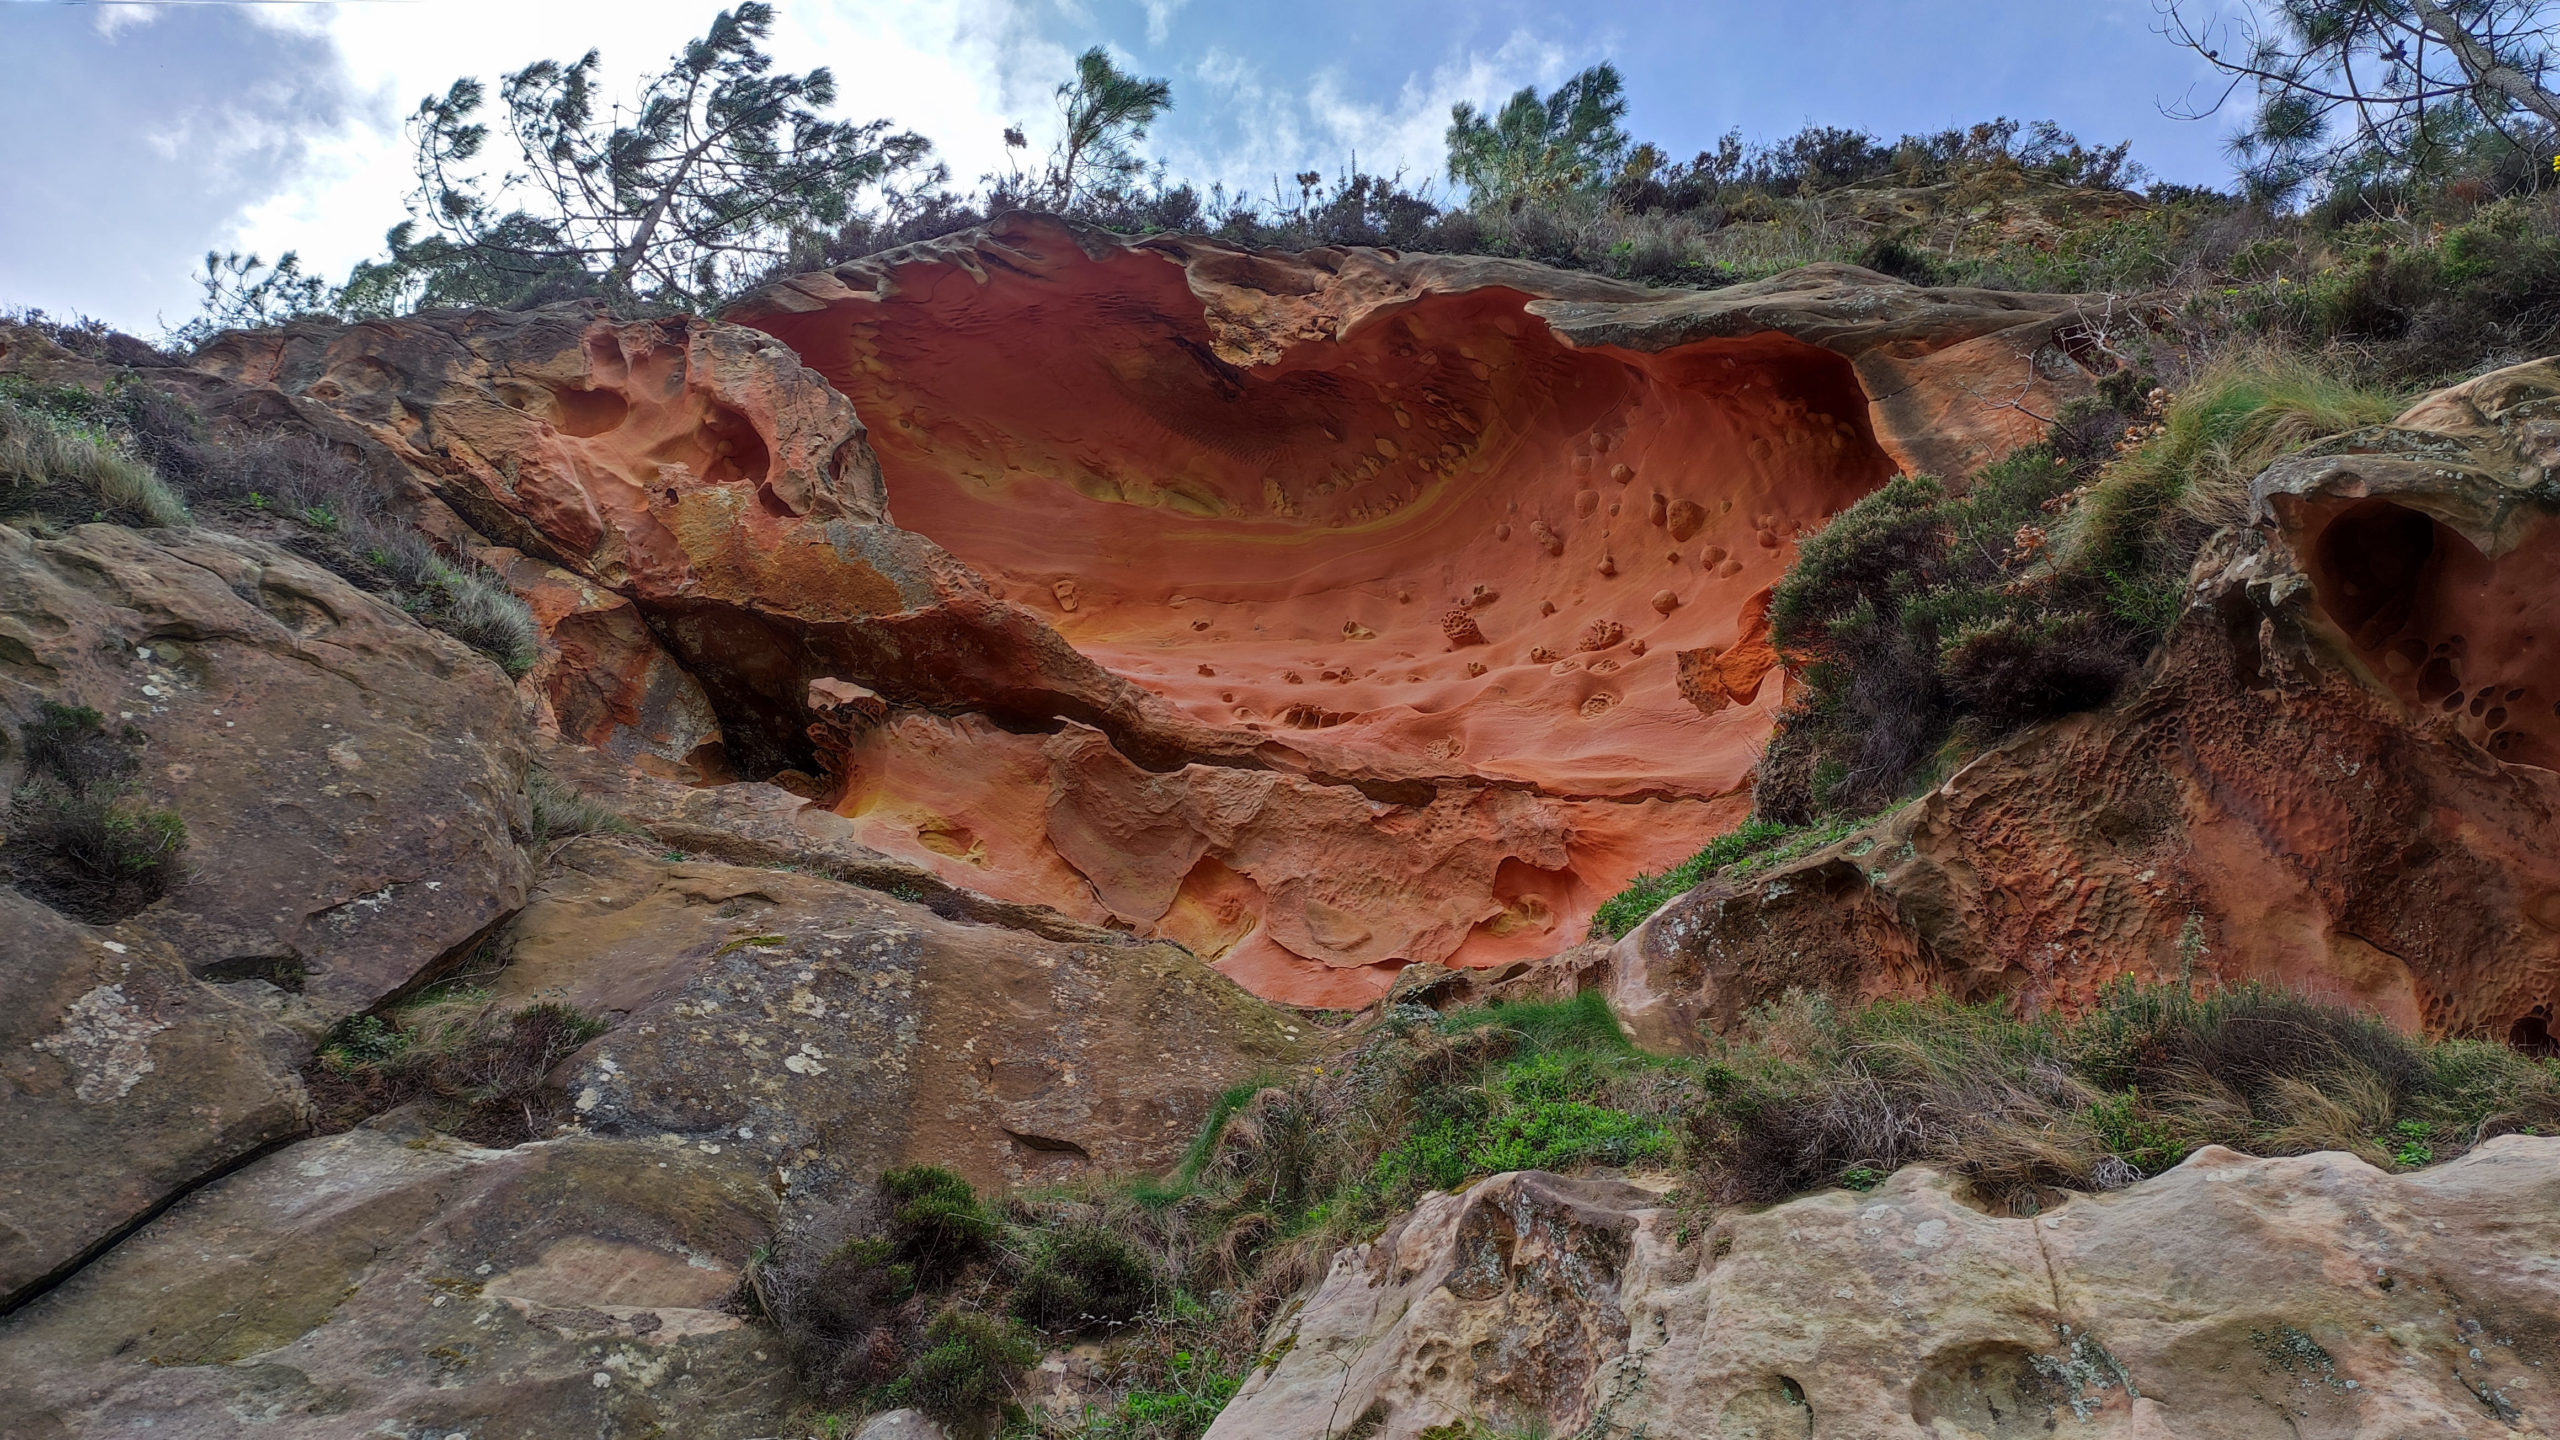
(147, 134)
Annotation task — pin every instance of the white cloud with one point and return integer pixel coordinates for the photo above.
(113, 19)
(1264, 131)
(1160, 15)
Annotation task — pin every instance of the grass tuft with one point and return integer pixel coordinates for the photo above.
(70, 471)
(480, 1070)
(562, 812)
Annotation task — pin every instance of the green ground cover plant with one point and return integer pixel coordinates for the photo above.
(78, 835)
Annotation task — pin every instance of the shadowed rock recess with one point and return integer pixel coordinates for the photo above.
(987, 695)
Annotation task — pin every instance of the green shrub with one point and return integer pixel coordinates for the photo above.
(852, 1319)
(1539, 1098)
(2432, 303)
(1177, 1402)
(1918, 617)
(1086, 1276)
(966, 1369)
(1506, 1127)
(77, 837)
(936, 1222)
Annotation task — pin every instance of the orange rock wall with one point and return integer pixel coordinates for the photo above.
(1330, 612)
(1441, 545)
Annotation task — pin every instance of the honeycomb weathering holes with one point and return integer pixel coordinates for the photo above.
(2451, 632)
(1405, 510)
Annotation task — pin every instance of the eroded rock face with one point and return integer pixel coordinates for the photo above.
(2232, 1297)
(2430, 545)
(123, 1080)
(1438, 527)
(1455, 565)
(2337, 778)
(378, 1282)
(603, 680)
(832, 1031)
(714, 525)
(352, 783)
(352, 788)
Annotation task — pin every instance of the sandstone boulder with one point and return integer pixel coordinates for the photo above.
(123, 1080)
(2232, 1297)
(352, 783)
(377, 1282)
(831, 1031)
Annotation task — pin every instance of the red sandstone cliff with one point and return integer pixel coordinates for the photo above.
(1489, 541)
(2337, 777)
(1326, 613)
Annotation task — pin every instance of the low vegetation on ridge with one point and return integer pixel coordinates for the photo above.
(136, 455)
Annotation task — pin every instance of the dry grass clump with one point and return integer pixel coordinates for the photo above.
(479, 1069)
(2189, 473)
(563, 812)
(55, 468)
(323, 505)
(135, 455)
(1808, 1094)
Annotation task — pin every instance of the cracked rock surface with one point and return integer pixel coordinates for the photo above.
(2231, 1297)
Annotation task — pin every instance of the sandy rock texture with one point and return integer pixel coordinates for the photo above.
(380, 1282)
(697, 472)
(2338, 777)
(1473, 551)
(832, 1031)
(352, 782)
(352, 787)
(2232, 1297)
(123, 1080)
